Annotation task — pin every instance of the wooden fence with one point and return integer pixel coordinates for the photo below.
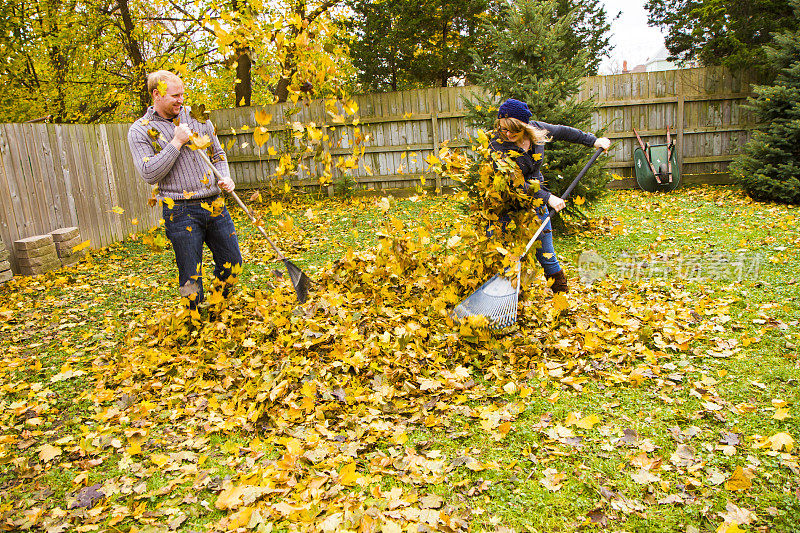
(402, 128)
(702, 107)
(54, 176)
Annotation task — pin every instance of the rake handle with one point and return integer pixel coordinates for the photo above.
(564, 196)
(241, 204)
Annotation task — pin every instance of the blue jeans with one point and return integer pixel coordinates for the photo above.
(546, 253)
(188, 226)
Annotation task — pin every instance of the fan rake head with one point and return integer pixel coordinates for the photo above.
(496, 300)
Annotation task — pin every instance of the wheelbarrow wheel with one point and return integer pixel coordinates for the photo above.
(663, 173)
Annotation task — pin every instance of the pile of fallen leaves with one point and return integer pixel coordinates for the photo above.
(373, 354)
(309, 412)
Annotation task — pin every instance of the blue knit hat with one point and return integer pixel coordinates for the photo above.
(514, 109)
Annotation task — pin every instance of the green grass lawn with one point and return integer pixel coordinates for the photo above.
(661, 395)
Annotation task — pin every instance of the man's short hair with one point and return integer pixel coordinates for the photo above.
(154, 78)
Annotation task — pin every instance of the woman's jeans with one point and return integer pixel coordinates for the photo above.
(188, 226)
(546, 253)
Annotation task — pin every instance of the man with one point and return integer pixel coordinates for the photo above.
(193, 211)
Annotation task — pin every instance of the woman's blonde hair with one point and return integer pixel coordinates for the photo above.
(535, 135)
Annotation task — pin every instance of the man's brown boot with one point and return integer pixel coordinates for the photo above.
(559, 282)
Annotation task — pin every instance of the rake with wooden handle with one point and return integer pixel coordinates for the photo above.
(298, 277)
(497, 298)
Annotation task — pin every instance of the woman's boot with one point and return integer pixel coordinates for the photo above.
(559, 282)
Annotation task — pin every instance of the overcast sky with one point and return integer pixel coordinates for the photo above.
(632, 38)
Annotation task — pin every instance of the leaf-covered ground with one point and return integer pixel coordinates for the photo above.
(660, 395)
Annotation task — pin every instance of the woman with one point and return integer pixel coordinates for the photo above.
(523, 140)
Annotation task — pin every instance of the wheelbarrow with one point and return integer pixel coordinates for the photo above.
(656, 165)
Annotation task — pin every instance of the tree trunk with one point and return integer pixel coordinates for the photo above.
(135, 54)
(243, 91)
(282, 90)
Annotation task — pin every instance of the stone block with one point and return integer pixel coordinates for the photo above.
(4, 254)
(5, 275)
(70, 260)
(65, 247)
(41, 269)
(32, 243)
(38, 261)
(49, 249)
(65, 234)
(5, 265)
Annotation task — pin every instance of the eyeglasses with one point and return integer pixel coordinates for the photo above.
(506, 130)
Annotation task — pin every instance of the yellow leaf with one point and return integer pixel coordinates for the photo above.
(347, 475)
(260, 136)
(579, 200)
(726, 527)
(135, 448)
(230, 498)
(159, 459)
(170, 203)
(588, 422)
(81, 246)
(739, 480)
(553, 479)
(49, 452)
(263, 118)
(779, 441)
(276, 208)
(117, 209)
(781, 413)
(200, 142)
(560, 302)
(239, 519)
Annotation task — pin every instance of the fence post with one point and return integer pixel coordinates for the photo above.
(433, 105)
(680, 126)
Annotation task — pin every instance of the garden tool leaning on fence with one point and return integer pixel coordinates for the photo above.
(298, 277)
(497, 298)
(655, 165)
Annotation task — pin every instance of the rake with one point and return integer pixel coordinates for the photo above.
(299, 279)
(497, 298)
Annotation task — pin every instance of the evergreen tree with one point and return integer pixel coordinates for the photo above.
(769, 168)
(404, 44)
(534, 58)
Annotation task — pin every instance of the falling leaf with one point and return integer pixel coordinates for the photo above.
(263, 118)
(118, 210)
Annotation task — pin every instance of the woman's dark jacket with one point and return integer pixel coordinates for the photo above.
(530, 163)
